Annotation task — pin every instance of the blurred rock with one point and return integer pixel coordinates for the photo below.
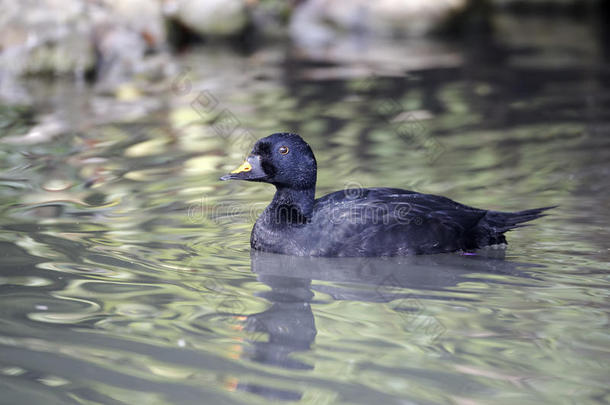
(75, 37)
(318, 22)
(209, 17)
(144, 17)
(119, 52)
(44, 36)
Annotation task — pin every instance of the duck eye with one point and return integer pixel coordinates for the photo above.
(283, 150)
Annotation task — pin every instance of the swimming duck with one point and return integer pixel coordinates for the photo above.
(359, 222)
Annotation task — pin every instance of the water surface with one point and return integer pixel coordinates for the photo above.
(126, 274)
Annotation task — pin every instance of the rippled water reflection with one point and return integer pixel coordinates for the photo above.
(126, 273)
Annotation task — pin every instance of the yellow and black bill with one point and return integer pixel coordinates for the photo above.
(249, 170)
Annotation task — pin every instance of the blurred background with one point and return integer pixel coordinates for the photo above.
(125, 268)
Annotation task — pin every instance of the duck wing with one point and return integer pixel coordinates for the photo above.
(396, 222)
(389, 222)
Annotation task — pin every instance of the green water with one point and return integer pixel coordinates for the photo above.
(126, 275)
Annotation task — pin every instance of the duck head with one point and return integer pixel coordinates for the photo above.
(282, 159)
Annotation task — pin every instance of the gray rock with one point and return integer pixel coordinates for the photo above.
(209, 17)
(75, 36)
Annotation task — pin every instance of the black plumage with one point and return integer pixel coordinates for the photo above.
(359, 222)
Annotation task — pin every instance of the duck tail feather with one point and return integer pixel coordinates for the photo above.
(505, 221)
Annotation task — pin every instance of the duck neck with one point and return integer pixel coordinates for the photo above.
(291, 206)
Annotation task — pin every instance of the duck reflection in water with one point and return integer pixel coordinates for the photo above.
(288, 325)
